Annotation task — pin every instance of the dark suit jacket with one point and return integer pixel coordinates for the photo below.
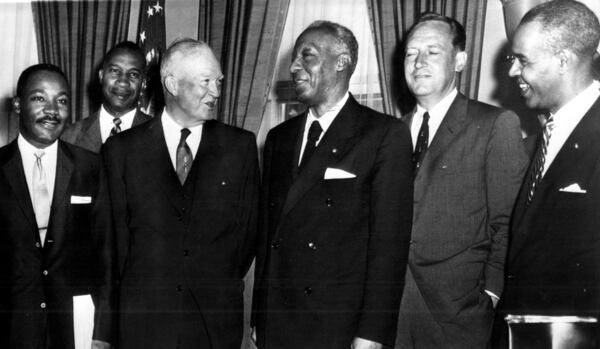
(464, 193)
(75, 260)
(86, 132)
(554, 256)
(332, 253)
(182, 251)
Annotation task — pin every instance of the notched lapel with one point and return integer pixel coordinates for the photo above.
(15, 175)
(336, 143)
(453, 122)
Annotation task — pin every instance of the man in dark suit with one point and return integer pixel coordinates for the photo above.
(554, 254)
(469, 162)
(335, 210)
(122, 78)
(185, 197)
(55, 235)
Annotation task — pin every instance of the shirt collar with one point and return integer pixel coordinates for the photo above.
(126, 119)
(327, 118)
(27, 149)
(441, 108)
(575, 109)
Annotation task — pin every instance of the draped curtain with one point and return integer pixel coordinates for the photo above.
(75, 35)
(245, 36)
(391, 20)
(20, 51)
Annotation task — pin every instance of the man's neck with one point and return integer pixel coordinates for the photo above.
(116, 114)
(327, 105)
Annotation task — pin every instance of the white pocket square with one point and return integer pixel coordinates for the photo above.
(336, 173)
(81, 199)
(573, 188)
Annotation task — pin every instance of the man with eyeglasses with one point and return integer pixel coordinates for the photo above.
(122, 78)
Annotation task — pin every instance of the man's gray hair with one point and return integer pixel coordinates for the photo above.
(567, 24)
(344, 36)
(182, 47)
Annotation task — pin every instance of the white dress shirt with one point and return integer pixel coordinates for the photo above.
(436, 116)
(107, 124)
(28, 158)
(567, 118)
(172, 132)
(324, 120)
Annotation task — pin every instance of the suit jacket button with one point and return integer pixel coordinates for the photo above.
(43, 305)
(37, 244)
(412, 242)
(312, 245)
(329, 202)
(45, 272)
(308, 291)
(275, 244)
(179, 288)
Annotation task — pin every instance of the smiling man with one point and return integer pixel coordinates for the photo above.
(469, 163)
(554, 255)
(122, 78)
(335, 210)
(185, 197)
(56, 233)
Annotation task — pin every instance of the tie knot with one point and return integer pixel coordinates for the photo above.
(117, 121)
(426, 116)
(38, 154)
(314, 132)
(185, 132)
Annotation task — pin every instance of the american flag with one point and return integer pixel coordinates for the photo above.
(151, 38)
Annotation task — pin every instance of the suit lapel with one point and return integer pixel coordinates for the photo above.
(138, 118)
(333, 146)
(90, 137)
(64, 171)
(453, 122)
(15, 175)
(158, 162)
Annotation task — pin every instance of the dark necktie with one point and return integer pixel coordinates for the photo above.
(184, 157)
(117, 127)
(539, 160)
(422, 142)
(314, 132)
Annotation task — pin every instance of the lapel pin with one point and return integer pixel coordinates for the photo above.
(576, 146)
(334, 150)
(223, 183)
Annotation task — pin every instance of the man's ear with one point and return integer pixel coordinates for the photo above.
(565, 57)
(16, 103)
(100, 74)
(343, 62)
(171, 85)
(461, 60)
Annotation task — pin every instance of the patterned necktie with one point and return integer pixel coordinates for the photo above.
(540, 159)
(117, 127)
(184, 157)
(314, 132)
(422, 143)
(41, 197)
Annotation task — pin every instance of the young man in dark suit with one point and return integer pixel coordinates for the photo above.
(56, 233)
(469, 162)
(554, 254)
(122, 78)
(185, 197)
(335, 210)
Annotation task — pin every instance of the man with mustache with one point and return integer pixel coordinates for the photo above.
(122, 78)
(469, 162)
(335, 210)
(554, 255)
(184, 198)
(56, 233)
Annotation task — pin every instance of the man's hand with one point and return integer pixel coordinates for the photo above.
(253, 336)
(96, 344)
(360, 343)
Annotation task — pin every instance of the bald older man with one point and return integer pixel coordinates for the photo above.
(184, 205)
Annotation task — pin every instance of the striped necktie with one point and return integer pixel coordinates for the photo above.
(540, 159)
(117, 127)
